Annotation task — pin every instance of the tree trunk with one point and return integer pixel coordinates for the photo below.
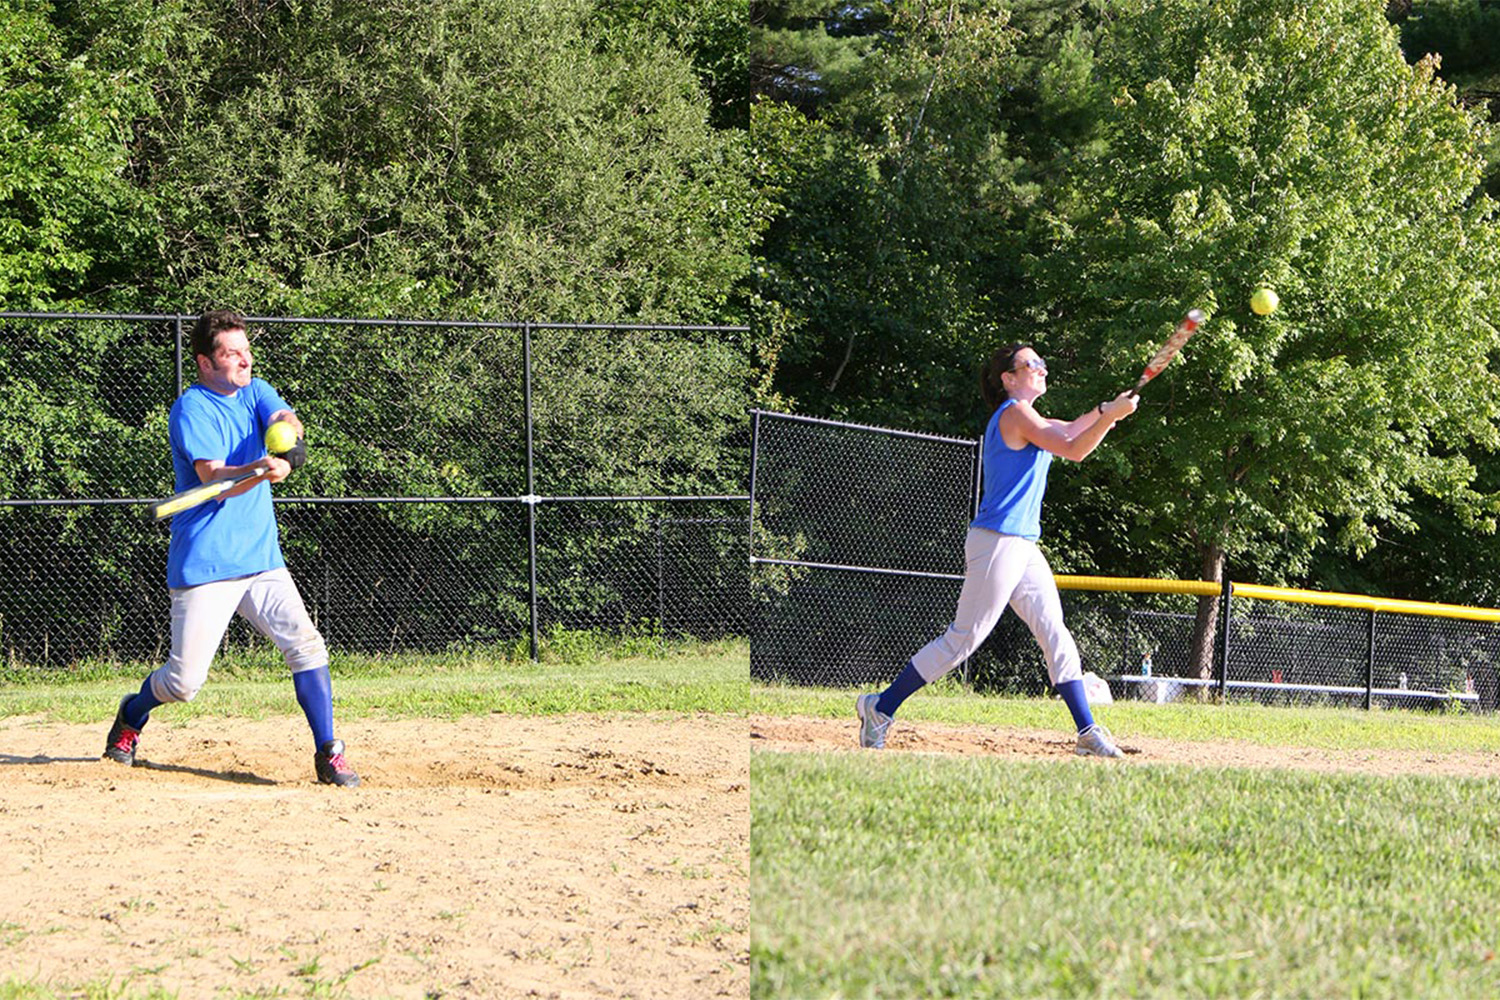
(1206, 625)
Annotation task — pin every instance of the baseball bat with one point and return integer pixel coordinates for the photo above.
(190, 498)
(1185, 329)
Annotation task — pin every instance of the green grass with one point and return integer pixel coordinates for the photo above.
(1317, 727)
(900, 875)
(697, 679)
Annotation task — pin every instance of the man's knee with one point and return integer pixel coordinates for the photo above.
(170, 685)
(306, 651)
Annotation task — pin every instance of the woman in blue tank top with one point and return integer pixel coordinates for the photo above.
(1003, 564)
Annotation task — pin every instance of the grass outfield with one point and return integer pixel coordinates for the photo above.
(1318, 727)
(700, 678)
(918, 875)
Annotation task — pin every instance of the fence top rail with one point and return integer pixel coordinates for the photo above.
(1204, 588)
(876, 570)
(527, 499)
(798, 418)
(1138, 585)
(1367, 603)
(337, 321)
(132, 317)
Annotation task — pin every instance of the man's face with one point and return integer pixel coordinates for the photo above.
(228, 369)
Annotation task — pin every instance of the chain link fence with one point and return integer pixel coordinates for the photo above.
(858, 534)
(857, 560)
(468, 484)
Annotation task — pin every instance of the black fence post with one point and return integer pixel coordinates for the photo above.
(754, 457)
(531, 497)
(1370, 664)
(177, 355)
(661, 596)
(974, 498)
(1226, 594)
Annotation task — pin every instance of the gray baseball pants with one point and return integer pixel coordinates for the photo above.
(200, 615)
(1000, 570)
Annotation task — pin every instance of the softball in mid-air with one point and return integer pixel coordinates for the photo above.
(280, 438)
(1264, 302)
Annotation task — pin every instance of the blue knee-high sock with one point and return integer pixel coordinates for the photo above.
(906, 684)
(138, 708)
(315, 695)
(1078, 703)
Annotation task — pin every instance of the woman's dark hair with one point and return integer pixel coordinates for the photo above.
(205, 335)
(990, 385)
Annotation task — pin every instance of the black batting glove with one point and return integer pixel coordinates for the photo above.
(298, 454)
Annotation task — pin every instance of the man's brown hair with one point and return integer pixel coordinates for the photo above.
(206, 331)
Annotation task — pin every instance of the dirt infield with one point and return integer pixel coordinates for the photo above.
(487, 857)
(768, 733)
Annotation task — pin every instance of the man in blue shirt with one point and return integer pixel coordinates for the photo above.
(225, 555)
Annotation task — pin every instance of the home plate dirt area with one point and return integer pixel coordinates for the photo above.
(576, 856)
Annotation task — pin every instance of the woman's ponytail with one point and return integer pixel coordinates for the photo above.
(991, 385)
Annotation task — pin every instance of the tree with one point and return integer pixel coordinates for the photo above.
(1465, 35)
(449, 158)
(895, 190)
(713, 32)
(72, 225)
(1256, 142)
(812, 53)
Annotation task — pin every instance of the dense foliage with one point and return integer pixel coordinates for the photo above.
(568, 160)
(572, 161)
(1108, 165)
(887, 191)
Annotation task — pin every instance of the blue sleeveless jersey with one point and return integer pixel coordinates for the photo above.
(1014, 481)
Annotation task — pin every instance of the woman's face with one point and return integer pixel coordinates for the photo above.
(1027, 375)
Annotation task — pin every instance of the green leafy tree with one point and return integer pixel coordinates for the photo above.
(452, 157)
(1256, 142)
(812, 53)
(713, 32)
(1465, 35)
(72, 223)
(892, 177)
(908, 148)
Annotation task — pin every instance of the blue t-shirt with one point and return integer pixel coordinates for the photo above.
(221, 540)
(1014, 481)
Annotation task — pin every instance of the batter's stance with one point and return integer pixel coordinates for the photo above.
(225, 555)
(1003, 563)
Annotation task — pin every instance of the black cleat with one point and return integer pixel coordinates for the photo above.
(120, 744)
(331, 766)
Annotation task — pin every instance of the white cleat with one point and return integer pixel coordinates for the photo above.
(873, 723)
(1095, 741)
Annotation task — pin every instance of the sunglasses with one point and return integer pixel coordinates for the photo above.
(1034, 364)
